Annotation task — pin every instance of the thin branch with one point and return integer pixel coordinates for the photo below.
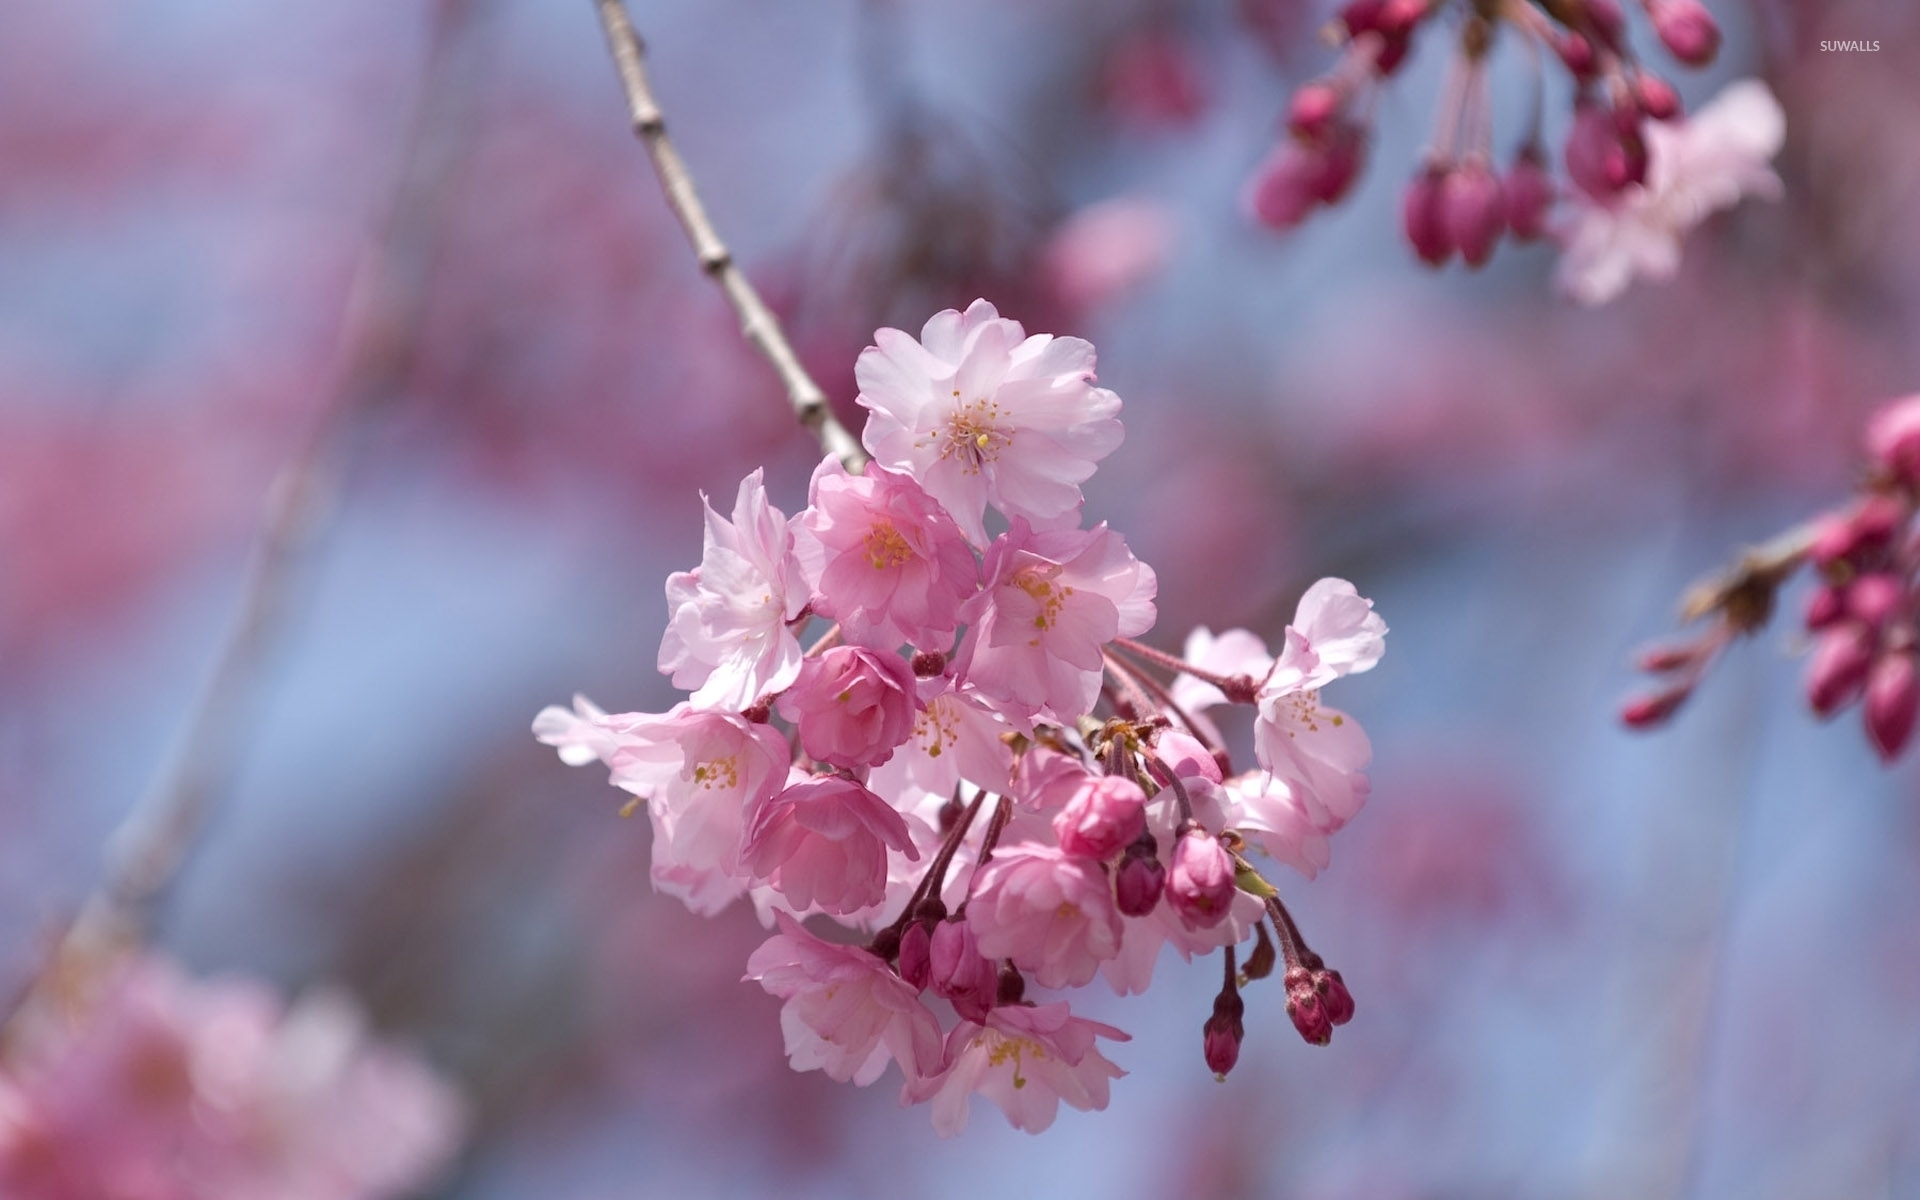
(147, 850)
(757, 322)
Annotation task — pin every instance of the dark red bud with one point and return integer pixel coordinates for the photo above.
(1653, 710)
(1656, 97)
(1893, 699)
(916, 962)
(1529, 191)
(1312, 111)
(1875, 598)
(1334, 996)
(1475, 211)
(1424, 211)
(1838, 667)
(1827, 605)
(1139, 882)
(929, 663)
(1687, 30)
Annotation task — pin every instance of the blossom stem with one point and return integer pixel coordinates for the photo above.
(1166, 775)
(757, 322)
(1164, 699)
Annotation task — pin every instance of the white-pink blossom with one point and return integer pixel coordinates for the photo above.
(1266, 811)
(1320, 753)
(852, 706)
(846, 1012)
(1027, 1060)
(727, 635)
(884, 558)
(1052, 600)
(824, 842)
(981, 414)
(1050, 912)
(1695, 167)
(955, 738)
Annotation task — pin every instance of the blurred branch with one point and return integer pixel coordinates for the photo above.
(757, 321)
(151, 844)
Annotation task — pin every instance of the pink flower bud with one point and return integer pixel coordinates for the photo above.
(959, 972)
(1334, 996)
(1312, 110)
(1687, 30)
(1529, 191)
(1872, 599)
(1838, 667)
(1606, 20)
(1424, 211)
(1602, 158)
(1669, 658)
(1860, 534)
(1393, 52)
(1138, 884)
(1200, 884)
(1827, 605)
(916, 955)
(1653, 710)
(1361, 16)
(1893, 439)
(1222, 1034)
(1577, 53)
(1656, 97)
(1305, 1008)
(1893, 699)
(1398, 17)
(1285, 188)
(852, 706)
(1475, 211)
(1341, 156)
(1105, 814)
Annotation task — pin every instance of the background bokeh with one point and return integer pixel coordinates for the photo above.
(1587, 963)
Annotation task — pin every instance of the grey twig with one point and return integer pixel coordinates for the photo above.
(757, 321)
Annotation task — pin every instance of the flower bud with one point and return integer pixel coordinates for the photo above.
(1893, 439)
(1838, 667)
(928, 664)
(1425, 216)
(1529, 192)
(1826, 606)
(1577, 53)
(1606, 21)
(1687, 30)
(1334, 996)
(1305, 1008)
(1222, 1034)
(1656, 97)
(1105, 814)
(1474, 210)
(1602, 158)
(1260, 963)
(1341, 156)
(1311, 112)
(1873, 599)
(916, 955)
(1893, 698)
(960, 972)
(1138, 883)
(1284, 189)
(1653, 710)
(1200, 884)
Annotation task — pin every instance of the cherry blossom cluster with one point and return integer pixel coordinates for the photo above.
(972, 766)
(1640, 173)
(153, 1085)
(1863, 617)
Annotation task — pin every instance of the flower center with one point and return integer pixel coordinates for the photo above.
(974, 434)
(721, 772)
(1002, 1049)
(885, 547)
(1048, 598)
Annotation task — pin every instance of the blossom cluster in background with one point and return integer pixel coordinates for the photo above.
(145, 1083)
(979, 769)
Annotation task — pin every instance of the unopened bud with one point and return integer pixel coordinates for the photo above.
(1139, 882)
(1223, 1032)
(1838, 667)
(960, 973)
(1656, 97)
(1284, 189)
(1873, 599)
(1311, 112)
(1334, 996)
(1603, 157)
(1654, 709)
(1424, 212)
(1826, 606)
(1577, 53)
(1669, 658)
(1529, 192)
(916, 955)
(1103, 816)
(1260, 963)
(1200, 885)
(1475, 211)
(1893, 439)
(1687, 30)
(1341, 156)
(1893, 699)
(1305, 1008)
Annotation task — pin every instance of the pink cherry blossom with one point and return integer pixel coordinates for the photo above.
(1048, 911)
(825, 843)
(1105, 813)
(883, 558)
(1200, 880)
(700, 773)
(1695, 167)
(1269, 815)
(981, 414)
(1051, 602)
(727, 636)
(846, 1012)
(955, 738)
(1318, 752)
(852, 706)
(1025, 1059)
(1339, 624)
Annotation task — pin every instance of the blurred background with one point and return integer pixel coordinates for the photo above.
(1587, 963)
